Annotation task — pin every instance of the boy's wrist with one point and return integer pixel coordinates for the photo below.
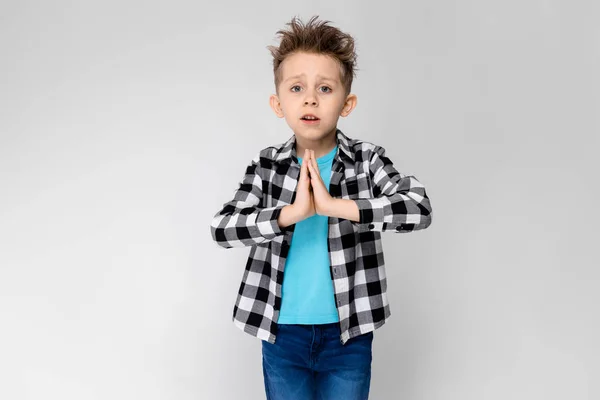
(344, 208)
(330, 208)
(295, 214)
(288, 216)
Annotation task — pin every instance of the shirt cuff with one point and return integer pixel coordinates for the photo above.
(266, 222)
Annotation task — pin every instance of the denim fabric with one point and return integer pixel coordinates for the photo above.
(309, 362)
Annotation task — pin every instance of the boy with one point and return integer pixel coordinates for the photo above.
(313, 209)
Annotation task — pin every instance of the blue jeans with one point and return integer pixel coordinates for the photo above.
(308, 362)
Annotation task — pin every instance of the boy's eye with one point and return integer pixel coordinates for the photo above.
(296, 86)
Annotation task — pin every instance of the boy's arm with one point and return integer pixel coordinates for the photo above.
(400, 200)
(242, 221)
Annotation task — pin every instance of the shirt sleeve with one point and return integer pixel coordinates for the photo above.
(242, 221)
(400, 203)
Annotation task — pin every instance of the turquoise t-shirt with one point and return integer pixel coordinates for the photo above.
(307, 292)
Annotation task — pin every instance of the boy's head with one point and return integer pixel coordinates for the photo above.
(314, 66)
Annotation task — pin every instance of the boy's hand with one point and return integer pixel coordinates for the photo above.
(322, 199)
(304, 204)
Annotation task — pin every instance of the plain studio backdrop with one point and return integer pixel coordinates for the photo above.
(126, 125)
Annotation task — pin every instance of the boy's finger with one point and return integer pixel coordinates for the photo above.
(304, 168)
(306, 171)
(311, 167)
(313, 163)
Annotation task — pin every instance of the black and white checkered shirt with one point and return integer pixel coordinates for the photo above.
(387, 201)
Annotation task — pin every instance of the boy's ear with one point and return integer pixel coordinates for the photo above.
(349, 105)
(276, 105)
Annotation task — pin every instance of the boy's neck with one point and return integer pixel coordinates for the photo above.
(320, 147)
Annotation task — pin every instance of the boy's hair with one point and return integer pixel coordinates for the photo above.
(316, 37)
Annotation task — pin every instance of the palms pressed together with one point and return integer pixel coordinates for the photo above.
(312, 197)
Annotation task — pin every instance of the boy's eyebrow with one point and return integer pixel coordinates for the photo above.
(318, 76)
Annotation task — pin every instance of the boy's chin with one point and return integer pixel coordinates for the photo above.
(313, 133)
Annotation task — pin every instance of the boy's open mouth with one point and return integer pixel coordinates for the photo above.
(309, 118)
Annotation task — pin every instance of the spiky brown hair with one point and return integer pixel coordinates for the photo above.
(316, 37)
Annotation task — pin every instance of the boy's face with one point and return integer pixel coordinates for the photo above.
(310, 84)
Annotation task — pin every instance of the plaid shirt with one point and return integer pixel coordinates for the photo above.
(387, 201)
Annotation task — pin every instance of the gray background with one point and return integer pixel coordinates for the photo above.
(126, 125)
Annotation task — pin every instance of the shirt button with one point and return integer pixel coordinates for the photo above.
(339, 302)
(335, 270)
(371, 226)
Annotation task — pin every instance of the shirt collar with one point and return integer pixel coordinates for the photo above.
(287, 151)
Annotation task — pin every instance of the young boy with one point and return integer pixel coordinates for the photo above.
(313, 209)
